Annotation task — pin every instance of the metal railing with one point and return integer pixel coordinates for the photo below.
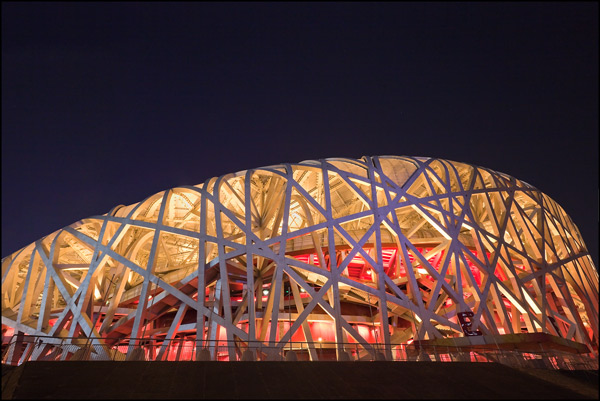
(44, 348)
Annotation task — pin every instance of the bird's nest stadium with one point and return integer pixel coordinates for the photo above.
(382, 257)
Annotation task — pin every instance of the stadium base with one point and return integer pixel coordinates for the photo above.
(291, 380)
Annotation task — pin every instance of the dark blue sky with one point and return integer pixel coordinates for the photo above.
(107, 103)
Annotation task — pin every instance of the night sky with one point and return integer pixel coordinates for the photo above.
(107, 103)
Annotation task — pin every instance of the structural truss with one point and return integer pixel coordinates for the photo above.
(380, 250)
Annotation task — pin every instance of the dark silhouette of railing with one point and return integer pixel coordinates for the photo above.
(20, 349)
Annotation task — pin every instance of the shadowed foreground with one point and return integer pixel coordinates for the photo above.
(291, 380)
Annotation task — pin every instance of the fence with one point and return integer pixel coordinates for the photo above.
(42, 348)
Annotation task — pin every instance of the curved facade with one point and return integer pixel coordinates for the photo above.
(366, 253)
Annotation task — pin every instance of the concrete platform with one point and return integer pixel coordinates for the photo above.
(290, 380)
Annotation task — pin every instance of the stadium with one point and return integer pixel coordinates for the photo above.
(379, 258)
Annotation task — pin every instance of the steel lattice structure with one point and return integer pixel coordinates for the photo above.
(374, 250)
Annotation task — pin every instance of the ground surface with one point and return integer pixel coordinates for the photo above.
(290, 380)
